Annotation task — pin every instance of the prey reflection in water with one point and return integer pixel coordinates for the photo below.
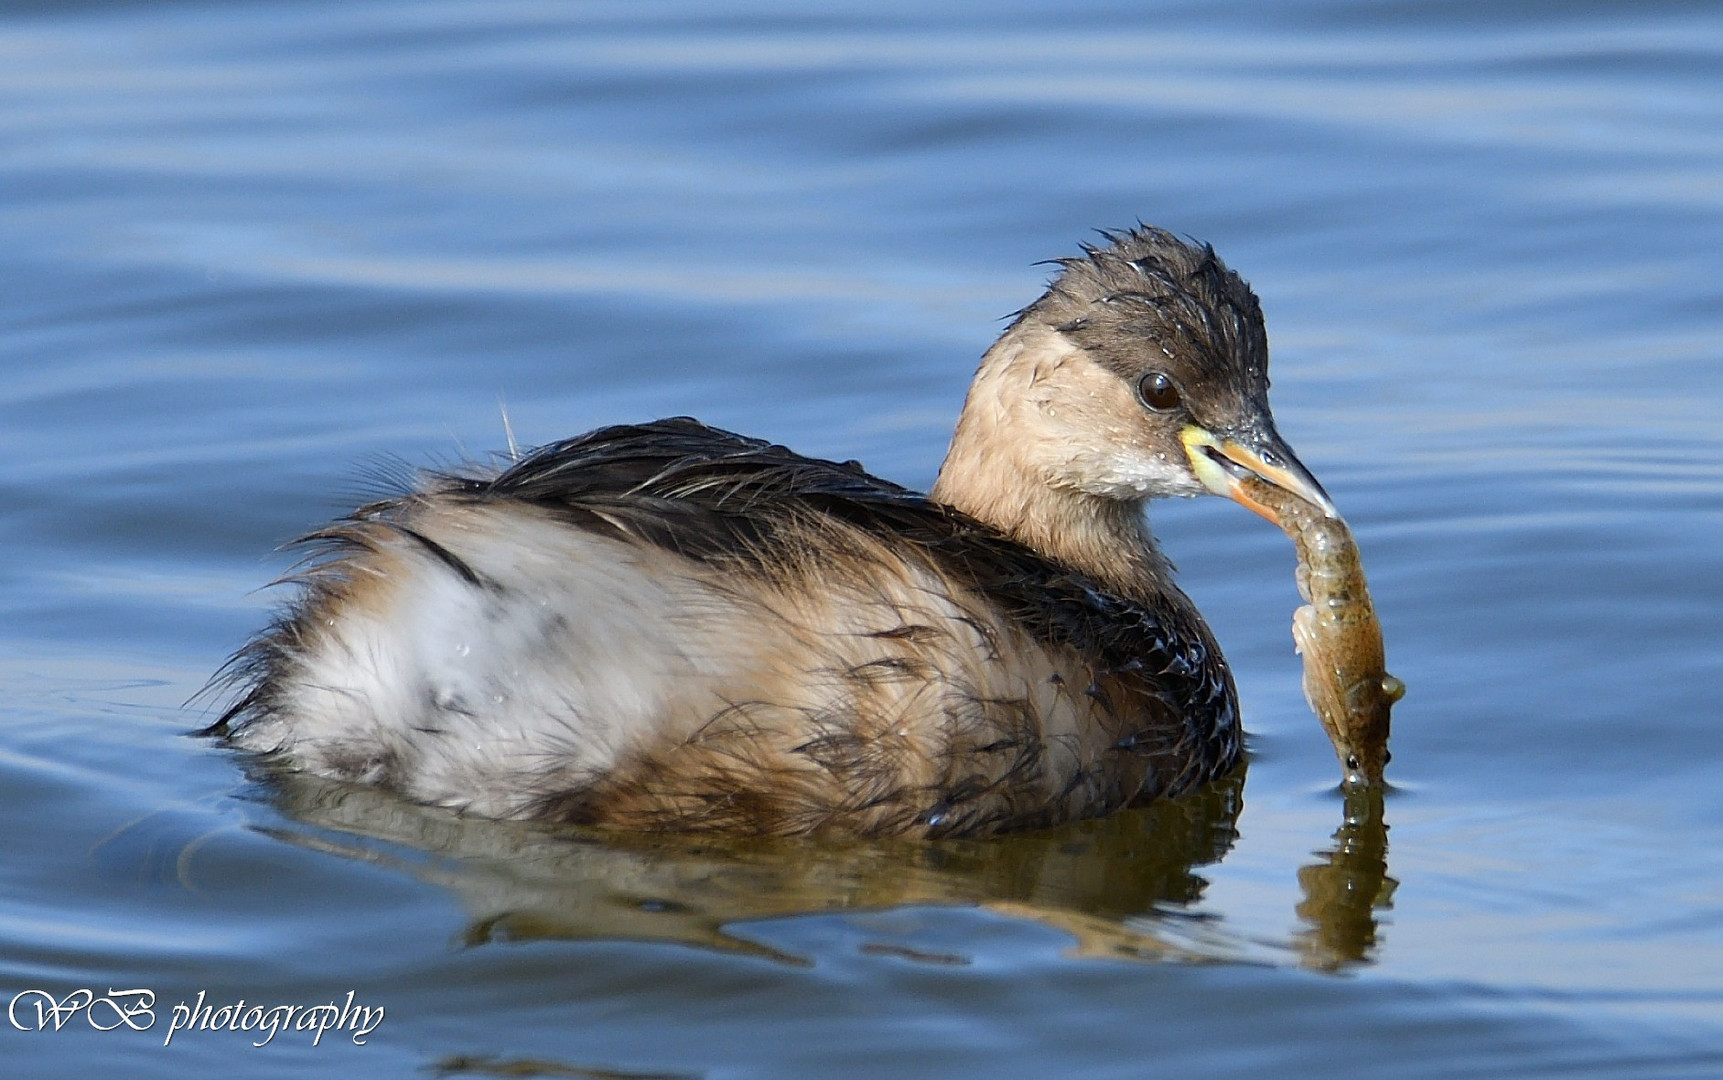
(671, 626)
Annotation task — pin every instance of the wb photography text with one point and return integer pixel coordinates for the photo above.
(135, 1010)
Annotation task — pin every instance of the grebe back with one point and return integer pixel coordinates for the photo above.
(670, 626)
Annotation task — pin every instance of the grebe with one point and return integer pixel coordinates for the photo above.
(666, 625)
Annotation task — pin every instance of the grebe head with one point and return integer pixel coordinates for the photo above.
(1141, 372)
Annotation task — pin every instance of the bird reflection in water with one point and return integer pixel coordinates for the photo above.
(1125, 887)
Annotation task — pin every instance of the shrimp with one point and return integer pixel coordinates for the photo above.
(1336, 632)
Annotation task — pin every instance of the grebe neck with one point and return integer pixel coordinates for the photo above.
(1010, 467)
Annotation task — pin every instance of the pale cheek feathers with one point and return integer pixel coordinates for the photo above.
(1128, 475)
(1088, 438)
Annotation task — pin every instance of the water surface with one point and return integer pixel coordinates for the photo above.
(253, 253)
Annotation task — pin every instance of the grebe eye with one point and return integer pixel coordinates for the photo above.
(1158, 392)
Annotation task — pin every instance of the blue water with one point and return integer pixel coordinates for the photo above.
(253, 253)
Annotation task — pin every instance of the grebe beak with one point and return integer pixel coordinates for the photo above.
(1222, 461)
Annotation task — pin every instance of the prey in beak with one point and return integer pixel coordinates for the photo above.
(1223, 463)
(1344, 679)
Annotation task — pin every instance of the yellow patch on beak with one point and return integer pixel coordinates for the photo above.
(1220, 463)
